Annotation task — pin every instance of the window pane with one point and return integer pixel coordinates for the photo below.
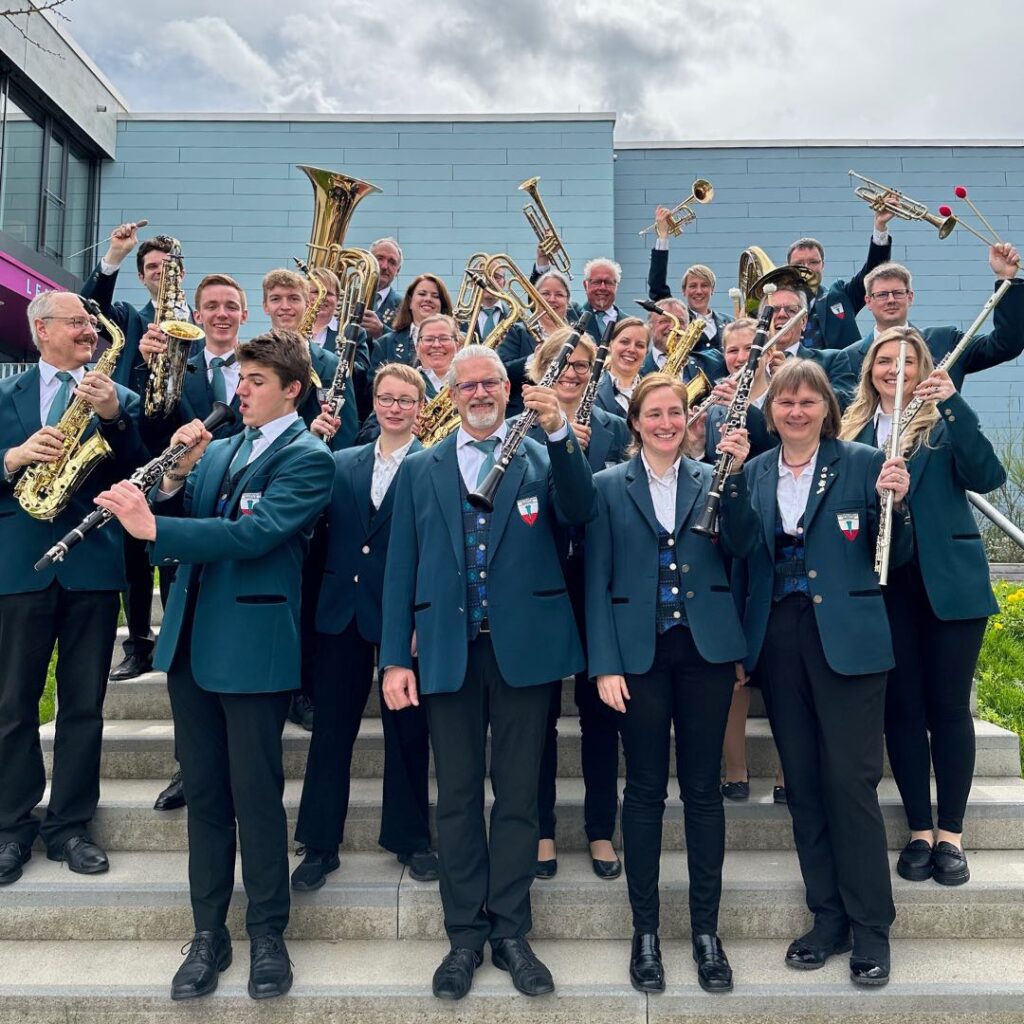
(55, 168)
(76, 210)
(22, 163)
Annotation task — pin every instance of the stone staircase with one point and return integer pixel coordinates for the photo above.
(103, 949)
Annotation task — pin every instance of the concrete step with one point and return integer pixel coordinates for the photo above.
(125, 819)
(145, 896)
(381, 981)
(139, 748)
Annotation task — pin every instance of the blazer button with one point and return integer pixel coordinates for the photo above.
(671, 542)
(686, 568)
(366, 549)
(672, 567)
(689, 593)
(817, 599)
(355, 579)
(812, 574)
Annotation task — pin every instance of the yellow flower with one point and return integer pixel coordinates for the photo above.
(997, 625)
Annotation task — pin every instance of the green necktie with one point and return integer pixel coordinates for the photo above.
(60, 401)
(491, 319)
(487, 447)
(241, 458)
(217, 382)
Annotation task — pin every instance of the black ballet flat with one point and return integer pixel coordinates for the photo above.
(736, 790)
(606, 870)
(546, 868)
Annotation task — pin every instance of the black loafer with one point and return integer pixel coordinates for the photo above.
(915, 861)
(82, 856)
(529, 975)
(546, 868)
(736, 790)
(809, 953)
(454, 977)
(130, 668)
(300, 711)
(869, 971)
(606, 870)
(12, 856)
(779, 795)
(270, 970)
(315, 867)
(713, 971)
(209, 953)
(422, 865)
(646, 971)
(173, 796)
(949, 865)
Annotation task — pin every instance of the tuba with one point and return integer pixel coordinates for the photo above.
(45, 488)
(543, 227)
(167, 371)
(754, 264)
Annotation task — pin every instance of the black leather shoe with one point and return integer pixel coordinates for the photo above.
(779, 795)
(950, 865)
(529, 975)
(646, 971)
(422, 865)
(546, 868)
(315, 867)
(82, 856)
(606, 870)
(12, 856)
(867, 970)
(209, 953)
(810, 952)
(454, 977)
(131, 667)
(736, 790)
(173, 796)
(270, 970)
(300, 711)
(713, 970)
(915, 861)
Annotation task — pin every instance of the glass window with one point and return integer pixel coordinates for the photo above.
(77, 210)
(19, 173)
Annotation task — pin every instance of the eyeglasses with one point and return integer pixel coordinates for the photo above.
(788, 310)
(77, 323)
(785, 405)
(436, 339)
(405, 402)
(603, 282)
(581, 367)
(892, 293)
(468, 387)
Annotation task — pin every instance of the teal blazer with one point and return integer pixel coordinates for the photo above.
(245, 629)
(98, 561)
(532, 626)
(622, 568)
(947, 545)
(609, 439)
(847, 599)
(357, 547)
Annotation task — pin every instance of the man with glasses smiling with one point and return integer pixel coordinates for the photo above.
(482, 597)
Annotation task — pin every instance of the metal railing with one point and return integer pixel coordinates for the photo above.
(11, 369)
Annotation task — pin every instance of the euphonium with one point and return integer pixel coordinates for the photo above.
(45, 488)
(754, 264)
(469, 289)
(167, 370)
(544, 228)
(534, 306)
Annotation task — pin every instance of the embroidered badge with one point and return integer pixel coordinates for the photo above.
(528, 509)
(838, 311)
(849, 523)
(248, 502)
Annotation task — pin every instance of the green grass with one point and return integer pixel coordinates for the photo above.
(1000, 670)
(46, 705)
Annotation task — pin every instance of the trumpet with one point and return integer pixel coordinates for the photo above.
(543, 227)
(880, 198)
(702, 191)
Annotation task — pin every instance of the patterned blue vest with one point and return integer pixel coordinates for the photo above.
(790, 572)
(671, 609)
(476, 528)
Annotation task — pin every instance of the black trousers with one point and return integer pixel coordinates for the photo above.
(684, 690)
(229, 746)
(929, 692)
(138, 599)
(83, 624)
(342, 681)
(485, 882)
(312, 578)
(599, 735)
(828, 730)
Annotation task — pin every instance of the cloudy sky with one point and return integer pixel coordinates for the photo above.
(681, 69)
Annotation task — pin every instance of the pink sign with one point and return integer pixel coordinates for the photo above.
(21, 280)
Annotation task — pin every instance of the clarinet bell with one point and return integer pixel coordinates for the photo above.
(707, 524)
(482, 498)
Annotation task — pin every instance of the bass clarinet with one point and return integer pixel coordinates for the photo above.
(145, 477)
(483, 497)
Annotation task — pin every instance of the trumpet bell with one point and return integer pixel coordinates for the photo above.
(703, 190)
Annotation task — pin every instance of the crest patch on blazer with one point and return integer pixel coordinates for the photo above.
(838, 311)
(528, 509)
(849, 523)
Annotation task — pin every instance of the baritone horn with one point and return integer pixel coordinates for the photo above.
(881, 198)
(702, 191)
(543, 227)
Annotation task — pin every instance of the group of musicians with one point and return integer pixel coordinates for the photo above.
(299, 550)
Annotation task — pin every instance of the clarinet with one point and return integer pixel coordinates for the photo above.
(336, 393)
(144, 478)
(586, 407)
(483, 497)
(707, 524)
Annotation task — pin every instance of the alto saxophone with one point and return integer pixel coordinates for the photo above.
(45, 488)
(308, 321)
(167, 370)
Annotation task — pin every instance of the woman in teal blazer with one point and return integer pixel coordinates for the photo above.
(663, 637)
(938, 603)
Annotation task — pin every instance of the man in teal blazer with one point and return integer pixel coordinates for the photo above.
(230, 646)
(74, 602)
(483, 599)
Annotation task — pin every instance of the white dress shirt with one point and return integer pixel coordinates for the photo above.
(438, 382)
(381, 297)
(49, 386)
(230, 372)
(384, 469)
(663, 492)
(883, 427)
(792, 492)
(471, 458)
